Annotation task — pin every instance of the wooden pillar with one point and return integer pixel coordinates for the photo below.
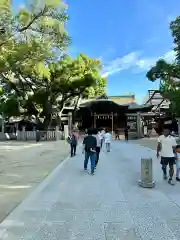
(139, 127)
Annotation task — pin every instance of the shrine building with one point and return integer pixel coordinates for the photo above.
(112, 112)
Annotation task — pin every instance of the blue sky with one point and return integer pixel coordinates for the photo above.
(127, 35)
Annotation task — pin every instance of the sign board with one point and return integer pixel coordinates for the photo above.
(132, 123)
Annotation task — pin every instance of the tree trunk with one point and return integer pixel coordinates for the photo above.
(75, 108)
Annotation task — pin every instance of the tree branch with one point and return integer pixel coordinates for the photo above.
(20, 30)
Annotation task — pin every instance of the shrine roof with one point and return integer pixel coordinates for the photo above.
(107, 104)
(136, 107)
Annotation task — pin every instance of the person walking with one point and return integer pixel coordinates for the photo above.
(178, 163)
(98, 147)
(89, 147)
(107, 139)
(117, 135)
(126, 135)
(73, 143)
(101, 135)
(166, 148)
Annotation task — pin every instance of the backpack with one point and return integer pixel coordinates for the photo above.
(69, 139)
(72, 139)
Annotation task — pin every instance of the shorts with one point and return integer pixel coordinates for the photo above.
(168, 161)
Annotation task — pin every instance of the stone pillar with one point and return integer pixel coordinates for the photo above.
(145, 131)
(139, 127)
(146, 173)
(23, 133)
(57, 133)
(66, 131)
(70, 122)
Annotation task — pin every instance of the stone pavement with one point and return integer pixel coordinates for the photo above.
(23, 165)
(71, 204)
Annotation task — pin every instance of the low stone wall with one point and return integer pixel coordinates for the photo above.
(8, 136)
(49, 135)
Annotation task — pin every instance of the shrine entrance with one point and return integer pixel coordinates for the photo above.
(102, 114)
(104, 121)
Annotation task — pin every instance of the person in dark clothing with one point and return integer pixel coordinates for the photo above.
(117, 135)
(126, 134)
(73, 144)
(90, 144)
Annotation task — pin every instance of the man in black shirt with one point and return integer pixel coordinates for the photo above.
(90, 144)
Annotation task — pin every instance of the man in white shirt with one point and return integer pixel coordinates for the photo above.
(98, 148)
(107, 139)
(166, 148)
(101, 135)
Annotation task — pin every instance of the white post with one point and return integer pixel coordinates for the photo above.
(112, 122)
(66, 131)
(57, 133)
(146, 173)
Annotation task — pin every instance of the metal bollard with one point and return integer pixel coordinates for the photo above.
(146, 173)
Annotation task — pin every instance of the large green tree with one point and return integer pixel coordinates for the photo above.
(45, 95)
(169, 73)
(36, 33)
(37, 76)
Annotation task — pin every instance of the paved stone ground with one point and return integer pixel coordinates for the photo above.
(23, 166)
(71, 204)
(149, 142)
(146, 142)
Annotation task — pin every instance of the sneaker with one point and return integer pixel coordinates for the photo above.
(92, 173)
(170, 182)
(178, 179)
(85, 169)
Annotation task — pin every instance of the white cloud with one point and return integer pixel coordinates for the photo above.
(169, 56)
(120, 64)
(134, 61)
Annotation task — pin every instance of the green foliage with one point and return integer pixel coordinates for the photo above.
(175, 29)
(37, 77)
(9, 106)
(169, 73)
